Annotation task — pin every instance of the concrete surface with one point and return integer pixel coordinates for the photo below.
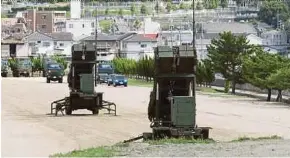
(27, 130)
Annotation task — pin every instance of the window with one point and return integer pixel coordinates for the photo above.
(61, 44)
(43, 26)
(83, 25)
(71, 25)
(43, 17)
(38, 41)
(93, 24)
(46, 44)
(143, 45)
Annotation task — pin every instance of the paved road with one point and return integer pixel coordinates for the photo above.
(28, 131)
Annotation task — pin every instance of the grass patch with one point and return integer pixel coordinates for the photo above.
(179, 141)
(207, 90)
(140, 83)
(90, 152)
(241, 139)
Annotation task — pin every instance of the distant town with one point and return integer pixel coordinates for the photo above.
(132, 29)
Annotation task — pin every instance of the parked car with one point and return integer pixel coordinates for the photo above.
(118, 80)
(102, 78)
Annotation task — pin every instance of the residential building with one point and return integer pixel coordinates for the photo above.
(208, 31)
(139, 45)
(108, 46)
(40, 43)
(49, 44)
(16, 27)
(43, 21)
(80, 27)
(174, 38)
(75, 9)
(274, 38)
(63, 42)
(14, 46)
(277, 40)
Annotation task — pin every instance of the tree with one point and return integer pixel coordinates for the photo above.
(224, 3)
(120, 12)
(258, 67)
(210, 4)
(199, 6)
(107, 11)
(239, 2)
(37, 64)
(169, 7)
(137, 24)
(182, 5)
(205, 72)
(133, 9)
(226, 55)
(157, 8)
(60, 60)
(270, 10)
(143, 9)
(280, 81)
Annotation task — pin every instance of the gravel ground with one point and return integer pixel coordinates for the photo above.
(261, 148)
(28, 131)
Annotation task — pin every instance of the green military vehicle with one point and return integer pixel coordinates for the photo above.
(24, 67)
(54, 72)
(4, 68)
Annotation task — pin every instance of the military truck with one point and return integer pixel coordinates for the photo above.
(46, 62)
(55, 72)
(24, 67)
(4, 68)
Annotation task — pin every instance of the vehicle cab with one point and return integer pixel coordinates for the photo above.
(55, 72)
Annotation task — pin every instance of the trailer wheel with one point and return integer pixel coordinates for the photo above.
(95, 111)
(68, 110)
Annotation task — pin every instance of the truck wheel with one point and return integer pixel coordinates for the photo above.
(47, 80)
(60, 80)
(95, 111)
(27, 75)
(4, 74)
(68, 111)
(115, 85)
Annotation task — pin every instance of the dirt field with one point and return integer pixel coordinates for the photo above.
(27, 130)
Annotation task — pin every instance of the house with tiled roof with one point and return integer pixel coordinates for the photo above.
(57, 42)
(109, 46)
(139, 45)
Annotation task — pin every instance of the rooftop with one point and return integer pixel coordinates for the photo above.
(142, 38)
(62, 36)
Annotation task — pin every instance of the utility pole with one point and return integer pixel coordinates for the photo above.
(193, 24)
(96, 47)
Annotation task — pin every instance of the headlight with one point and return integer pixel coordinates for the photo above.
(49, 71)
(125, 80)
